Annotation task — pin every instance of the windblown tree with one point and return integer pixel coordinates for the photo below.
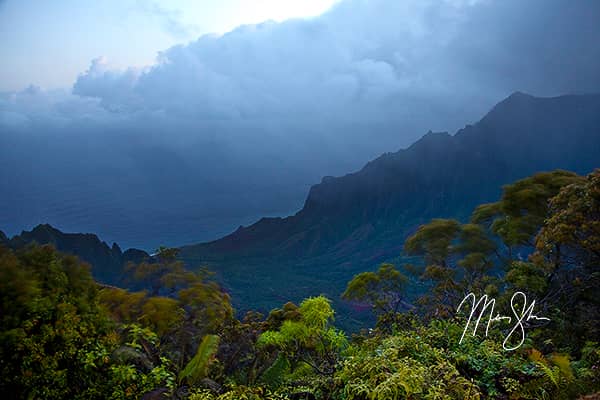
(460, 258)
(163, 275)
(567, 260)
(457, 260)
(383, 290)
(182, 308)
(178, 295)
(547, 225)
(518, 216)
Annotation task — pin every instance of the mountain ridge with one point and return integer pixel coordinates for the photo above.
(353, 222)
(331, 195)
(107, 261)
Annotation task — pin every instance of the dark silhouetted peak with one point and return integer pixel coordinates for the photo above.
(3, 239)
(116, 249)
(517, 98)
(515, 101)
(107, 262)
(42, 230)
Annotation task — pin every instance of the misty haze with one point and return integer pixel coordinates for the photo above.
(288, 199)
(228, 128)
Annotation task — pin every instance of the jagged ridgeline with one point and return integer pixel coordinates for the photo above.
(353, 223)
(107, 262)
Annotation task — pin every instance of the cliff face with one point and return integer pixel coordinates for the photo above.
(353, 222)
(439, 175)
(107, 262)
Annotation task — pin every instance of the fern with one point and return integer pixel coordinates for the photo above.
(561, 368)
(552, 373)
(564, 364)
(197, 368)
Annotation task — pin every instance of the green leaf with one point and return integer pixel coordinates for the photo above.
(197, 368)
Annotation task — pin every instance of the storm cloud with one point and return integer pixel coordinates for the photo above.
(240, 124)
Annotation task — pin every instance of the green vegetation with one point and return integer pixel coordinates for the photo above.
(63, 335)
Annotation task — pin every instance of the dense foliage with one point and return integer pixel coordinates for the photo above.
(65, 336)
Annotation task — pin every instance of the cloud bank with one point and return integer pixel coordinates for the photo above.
(239, 125)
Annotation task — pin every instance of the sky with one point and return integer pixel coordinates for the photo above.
(61, 37)
(169, 123)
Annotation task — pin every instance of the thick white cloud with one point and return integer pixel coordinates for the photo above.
(114, 88)
(368, 60)
(248, 119)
